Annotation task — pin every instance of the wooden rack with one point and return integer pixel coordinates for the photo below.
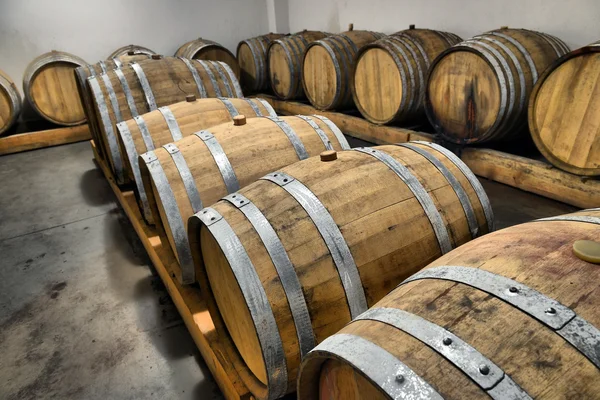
(46, 138)
(523, 173)
(187, 299)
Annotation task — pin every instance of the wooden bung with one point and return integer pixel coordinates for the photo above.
(156, 56)
(317, 243)
(563, 117)
(205, 49)
(190, 98)
(190, 117)
(239, 120)
(513, 314)
(221, 159)
(252, 59)
(166, 81)
(327, 67)
(587, 250)
(285, 63)
(50, 87)
(329, 155)
(478, 90)
(391, 74)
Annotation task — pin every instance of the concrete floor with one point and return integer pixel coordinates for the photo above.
(83, 314)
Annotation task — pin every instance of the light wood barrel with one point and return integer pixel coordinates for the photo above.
(198, 170)
(391, 73)
(10, 103)
(478, 89)
(152, 130)
(130, 50)
(285, 63)
(563, 112)
(146, 86)
(328, 66)
(290, 259)
(252, 59)
(513, 315)
(204, 49)
(50, 87)
(90, 70)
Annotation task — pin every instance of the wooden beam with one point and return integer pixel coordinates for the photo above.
(352, 126)
(533, 176)
(37, 140)
(187, 299)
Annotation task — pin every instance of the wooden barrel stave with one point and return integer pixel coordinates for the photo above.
(390, 74)
(252, 59)
(10, 103)
(539, 359)
(167, 80)
(50, 87)
(493, 75)
(561, 117)
(285, 63)
(130, 50)
(327, 68)
(169, 124)
(366, 224)
(245, 152)
(205, 49)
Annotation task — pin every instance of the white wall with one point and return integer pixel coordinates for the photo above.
(574, 21)
(92, 30)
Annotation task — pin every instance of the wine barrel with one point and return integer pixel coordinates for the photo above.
(563, 113)
(145, 86)
(130, 50)
(390, 74)
(290, 259)
(204, 49)
(83, 73)
(328, 66)
(200, 169)
(513, 315)
(285, 63)
(252, 59)
(478, 89)
(10, 103)
(49, 86)
(171, 123)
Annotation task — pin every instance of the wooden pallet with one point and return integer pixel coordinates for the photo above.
(46, 138)
(187, 299)
(523, 173)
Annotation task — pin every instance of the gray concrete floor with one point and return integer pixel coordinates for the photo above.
(83, 314)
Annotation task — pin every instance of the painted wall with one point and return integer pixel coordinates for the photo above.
(574, 21)
(92, 31)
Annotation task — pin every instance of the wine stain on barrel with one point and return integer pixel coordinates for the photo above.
(471, 108)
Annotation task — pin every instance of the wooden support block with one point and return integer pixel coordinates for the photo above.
(533, 176)
(353, 126)
(37, 140)
(187, 299)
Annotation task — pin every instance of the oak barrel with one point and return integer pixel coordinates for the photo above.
(204, 49)
(49, 86)
(564, 112)
(290, 259)
(130, 50)
(10, 103)
(328, 66)
(252, 59)
(285, 63)
(478, 90)
(512, 315)
(222, 159)
(390, 74)
(83, 73)
(152, 130)
(146, 86)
